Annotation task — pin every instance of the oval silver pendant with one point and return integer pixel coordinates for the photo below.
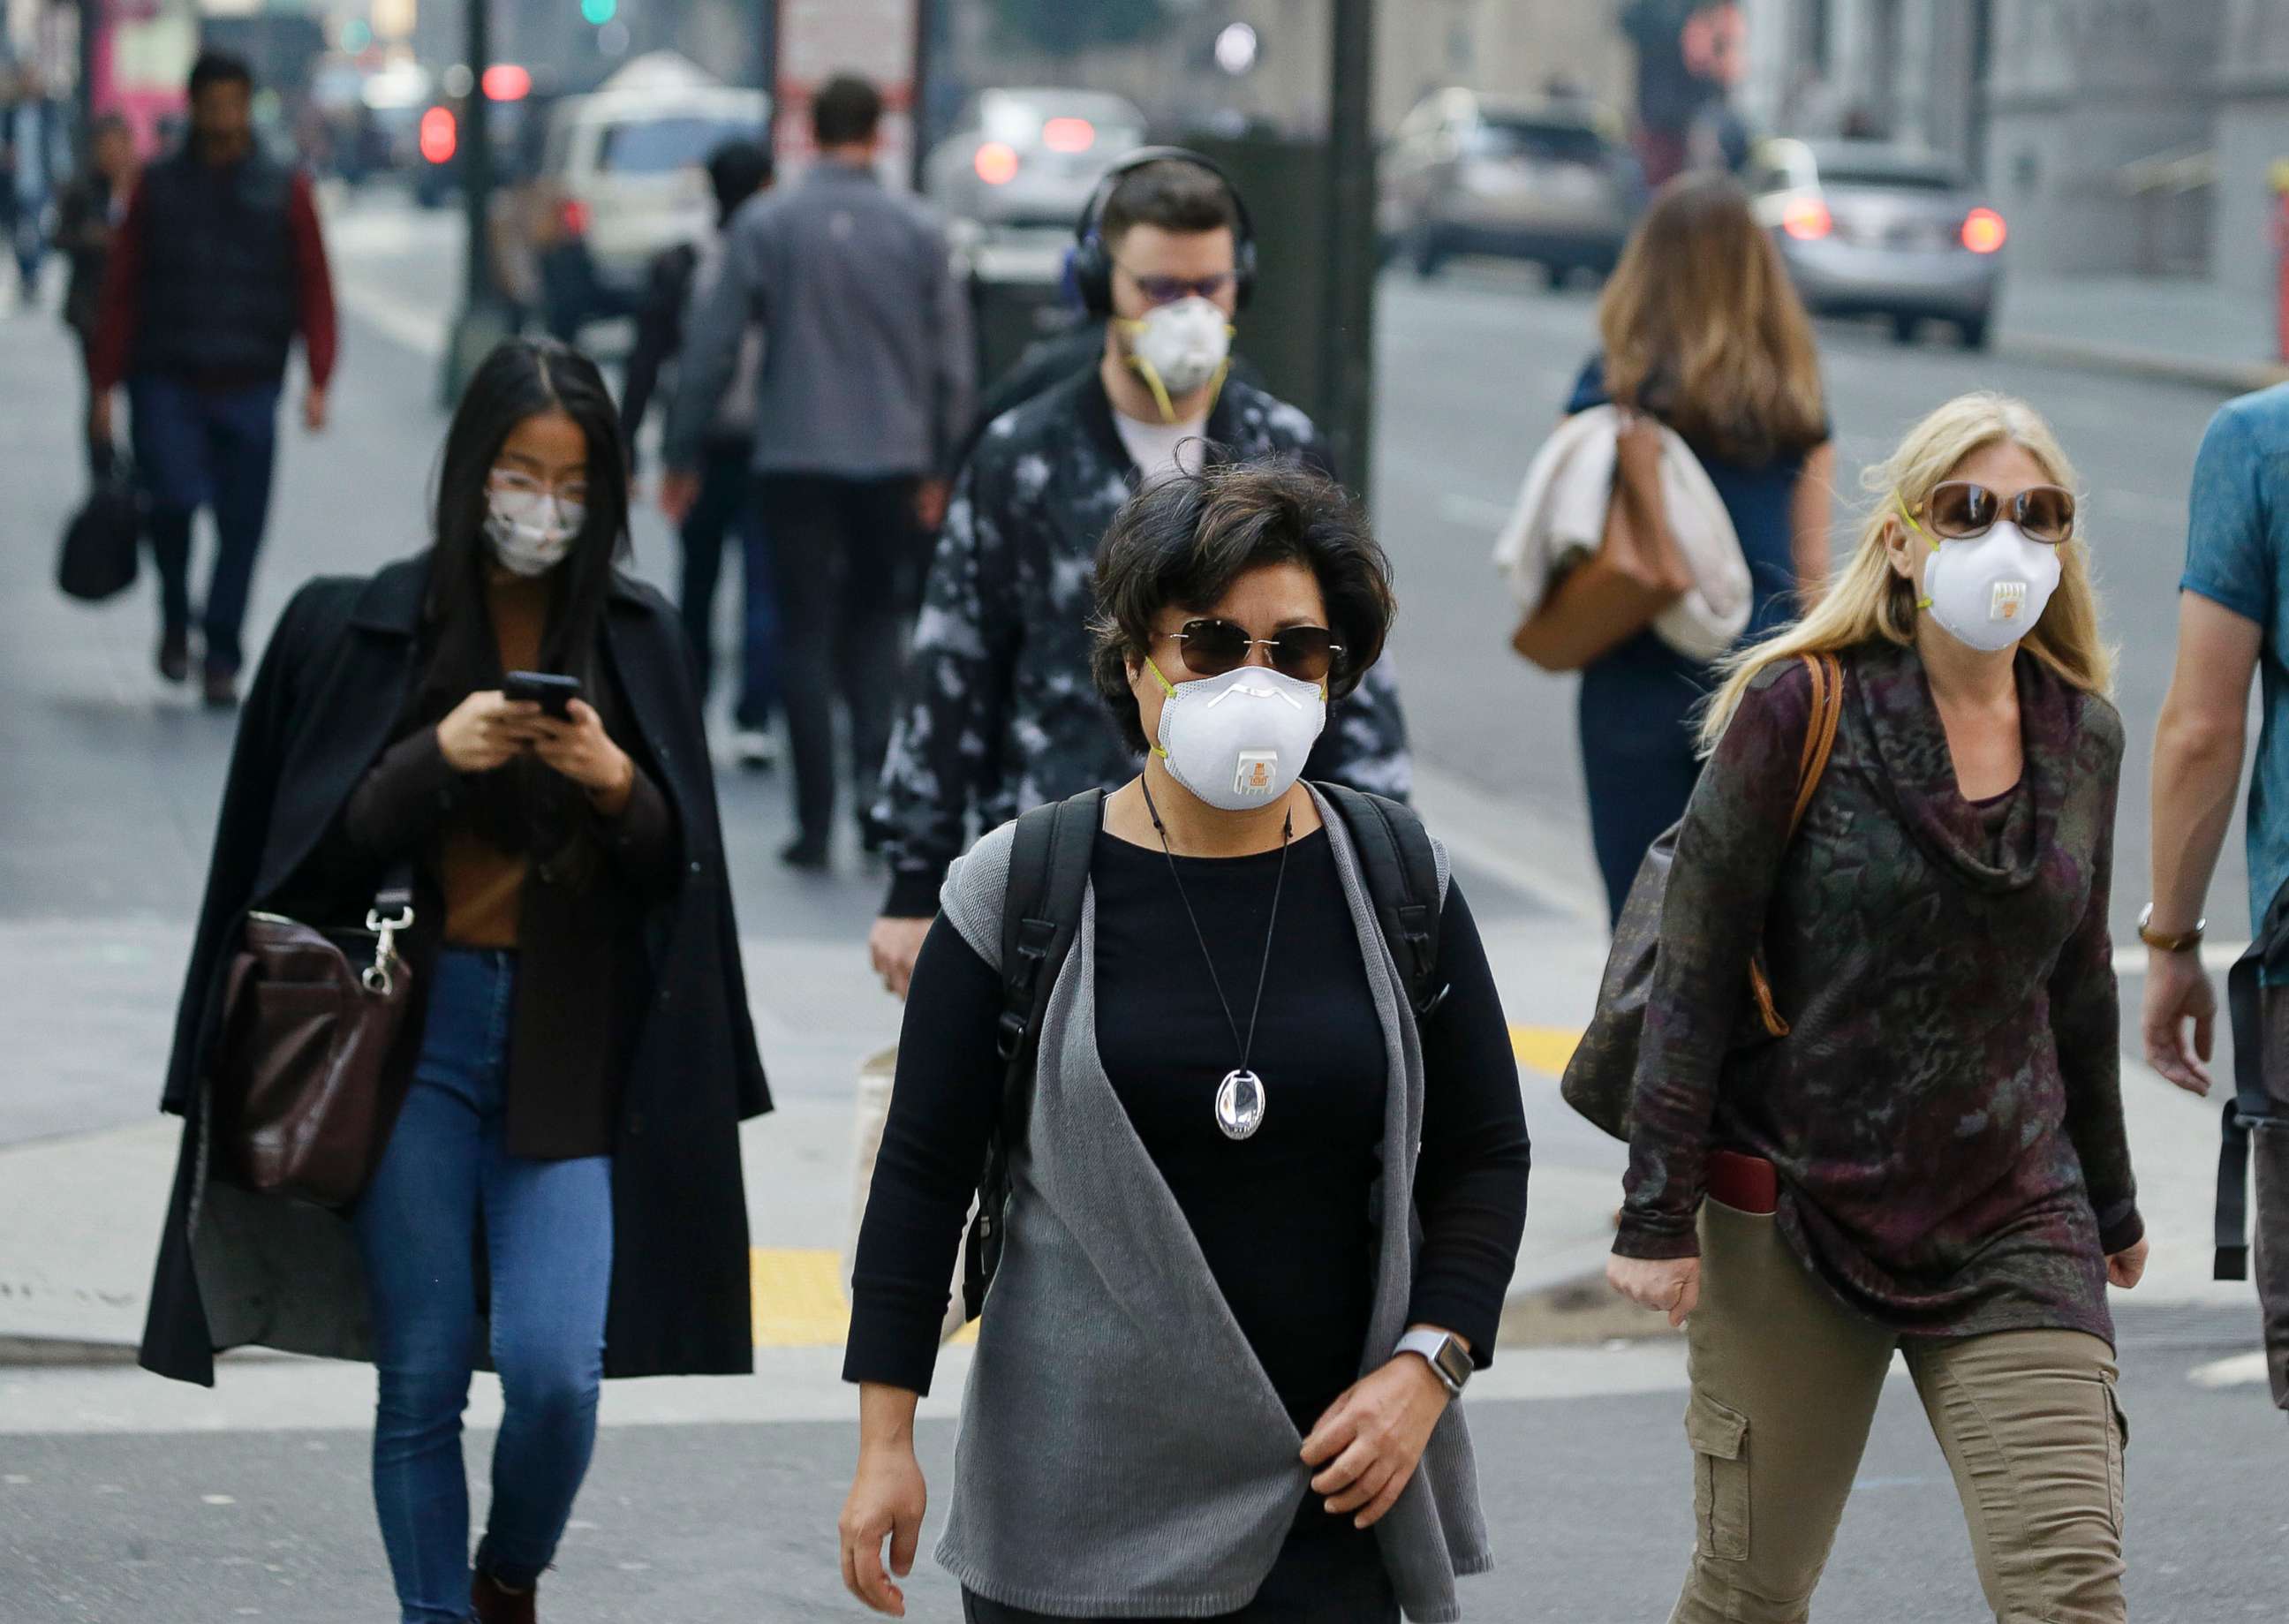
(1239, 1104)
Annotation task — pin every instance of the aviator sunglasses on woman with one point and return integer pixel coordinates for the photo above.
(1960, 510)
(1211, 648)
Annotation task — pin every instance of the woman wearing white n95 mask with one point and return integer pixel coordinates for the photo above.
(1930, 1158)
(1261, 1212)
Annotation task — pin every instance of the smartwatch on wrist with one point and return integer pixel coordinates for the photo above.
(2182, 942)
(1449, 1360)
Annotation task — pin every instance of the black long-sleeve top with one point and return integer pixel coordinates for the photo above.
(1284, 1218)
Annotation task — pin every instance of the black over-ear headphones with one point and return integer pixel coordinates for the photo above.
(1090, 263)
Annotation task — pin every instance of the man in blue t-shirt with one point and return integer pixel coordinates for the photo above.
(2233, 619)
(2234, 607)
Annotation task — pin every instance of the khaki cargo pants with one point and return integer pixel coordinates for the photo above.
(1784, 1388)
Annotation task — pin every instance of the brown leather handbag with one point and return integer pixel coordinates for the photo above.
(1600, 1081)
(1610, 596)
(309, 1019)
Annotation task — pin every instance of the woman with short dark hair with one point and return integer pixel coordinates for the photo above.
(1262, 1214)
(558, 1188)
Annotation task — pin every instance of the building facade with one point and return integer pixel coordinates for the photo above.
(2117, 136)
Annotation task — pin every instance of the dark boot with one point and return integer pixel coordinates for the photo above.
(175, 657)
(494, 1605)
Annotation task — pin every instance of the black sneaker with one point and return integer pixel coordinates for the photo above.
(175, 657)
(808, 855)
(220, 690)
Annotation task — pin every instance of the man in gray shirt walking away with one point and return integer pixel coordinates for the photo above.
(866, 384)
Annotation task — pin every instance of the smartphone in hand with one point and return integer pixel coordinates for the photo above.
(552, 693)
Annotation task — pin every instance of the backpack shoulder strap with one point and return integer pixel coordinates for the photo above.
(1401, 870)
(1040, 914)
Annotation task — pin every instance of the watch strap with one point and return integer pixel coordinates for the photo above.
(2178, 942)
(1446, 1357)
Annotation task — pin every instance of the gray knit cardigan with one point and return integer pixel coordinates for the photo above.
(1123, 1454)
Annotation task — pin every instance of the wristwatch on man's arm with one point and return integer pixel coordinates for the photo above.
(1444, 1352)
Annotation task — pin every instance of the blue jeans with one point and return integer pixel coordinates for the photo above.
(207, 448)
(725, 510)
(547, 1230)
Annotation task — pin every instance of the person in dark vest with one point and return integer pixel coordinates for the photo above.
(90, 214)
(559, 1192)
(218, 266)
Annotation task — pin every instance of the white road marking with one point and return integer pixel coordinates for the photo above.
(2242, 1370)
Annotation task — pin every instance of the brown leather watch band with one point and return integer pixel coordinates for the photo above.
(2181, 942)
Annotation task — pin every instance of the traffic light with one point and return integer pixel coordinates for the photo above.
(600, 11)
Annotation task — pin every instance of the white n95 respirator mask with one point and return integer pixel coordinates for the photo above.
(1988, 591)
(1178, 347)
(1239, 741)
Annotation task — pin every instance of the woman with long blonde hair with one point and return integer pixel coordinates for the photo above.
(1931, 1158)
(1703, 333)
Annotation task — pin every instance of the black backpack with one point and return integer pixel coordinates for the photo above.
(1040, 911)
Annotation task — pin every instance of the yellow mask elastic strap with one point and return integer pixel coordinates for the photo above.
(1921, 603)
(1166, 688)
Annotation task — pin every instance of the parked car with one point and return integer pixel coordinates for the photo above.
(1874, 230)
(622, 175)
(1544, 181)
(1029, 158)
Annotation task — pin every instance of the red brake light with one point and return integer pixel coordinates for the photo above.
(439, 135)
(574, 218)
(996, 164)
(506, 82)
(1983, 231)
(1068, 135)
(1807, 220)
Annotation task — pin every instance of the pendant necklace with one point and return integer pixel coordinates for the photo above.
(1239, 1100)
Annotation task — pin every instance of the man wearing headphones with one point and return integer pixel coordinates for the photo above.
(999, 713)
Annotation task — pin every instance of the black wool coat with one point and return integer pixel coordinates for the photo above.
(236, 1268)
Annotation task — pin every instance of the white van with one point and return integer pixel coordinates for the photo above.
(624, 166)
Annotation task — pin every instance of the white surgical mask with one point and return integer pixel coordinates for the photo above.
(1239, 741)
(1177, 348)
(1988, 591)
(531, 530)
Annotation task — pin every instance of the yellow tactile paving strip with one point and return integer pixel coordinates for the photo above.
(798, 1291)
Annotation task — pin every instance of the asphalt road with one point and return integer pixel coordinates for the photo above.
(1589, 1502)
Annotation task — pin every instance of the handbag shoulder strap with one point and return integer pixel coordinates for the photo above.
(1819, 743)
(1820, 731)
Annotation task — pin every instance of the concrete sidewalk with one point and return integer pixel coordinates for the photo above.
(2176, 328)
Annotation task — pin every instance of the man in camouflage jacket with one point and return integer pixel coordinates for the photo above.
(1000, 714)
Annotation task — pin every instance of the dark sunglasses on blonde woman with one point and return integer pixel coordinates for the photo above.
(1959, 510)
(1211, 648)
